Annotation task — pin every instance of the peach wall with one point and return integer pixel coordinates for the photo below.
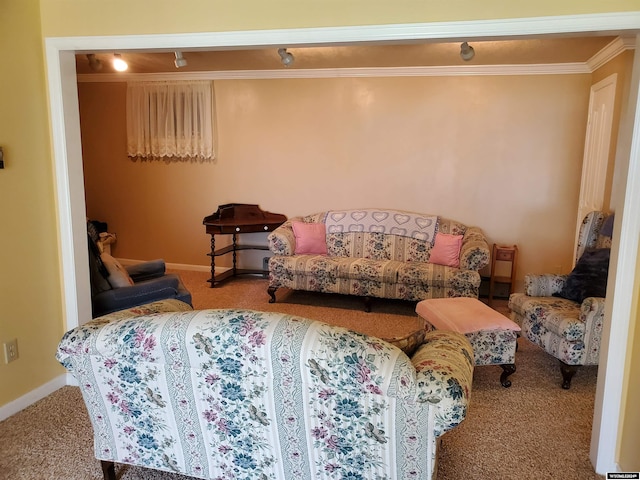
(503, 153)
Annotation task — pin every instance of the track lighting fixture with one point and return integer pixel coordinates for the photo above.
(180, 61)
(94, 63)
(286, 57)
(466, 52)
(118, 63)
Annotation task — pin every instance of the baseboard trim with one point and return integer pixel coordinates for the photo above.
(33, 396)
(186, 266)
(173, 266)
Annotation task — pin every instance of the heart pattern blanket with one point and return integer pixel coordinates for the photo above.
(394, 222)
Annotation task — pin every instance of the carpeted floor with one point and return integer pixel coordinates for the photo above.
(533, 430)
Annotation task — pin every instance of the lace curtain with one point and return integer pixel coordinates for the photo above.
(172, 120)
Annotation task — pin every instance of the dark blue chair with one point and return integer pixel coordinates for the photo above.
(151, 283)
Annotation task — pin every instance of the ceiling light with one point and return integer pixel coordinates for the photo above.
(286, 57)
(118, 63)
(180, 61)
(94, 63)
(466, 52)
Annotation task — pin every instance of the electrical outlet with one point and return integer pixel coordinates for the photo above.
(11, 350)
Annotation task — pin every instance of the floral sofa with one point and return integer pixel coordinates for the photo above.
(243, 394)
(378, 253)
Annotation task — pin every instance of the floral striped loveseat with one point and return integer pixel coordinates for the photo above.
(378, 253)
(242, 394)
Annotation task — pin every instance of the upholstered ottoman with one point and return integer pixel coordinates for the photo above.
(492, 335)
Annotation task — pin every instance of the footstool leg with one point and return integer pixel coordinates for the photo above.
(508, 369)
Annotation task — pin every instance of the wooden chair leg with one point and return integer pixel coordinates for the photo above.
(108, 470)
(272, 293)
(367, 304)
(568, 371)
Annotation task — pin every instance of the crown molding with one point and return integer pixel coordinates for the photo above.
(610, 51)
(440, 71)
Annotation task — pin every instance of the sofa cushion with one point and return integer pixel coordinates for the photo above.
(310, 238)
(589, 277)
(378, 246)
(366, 269)
(446, 250)
(118, 276)
(558, 315)
(423, 273)
(387, 271)
(327, 268)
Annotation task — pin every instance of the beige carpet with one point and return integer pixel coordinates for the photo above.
(389, 319)
(533, 430)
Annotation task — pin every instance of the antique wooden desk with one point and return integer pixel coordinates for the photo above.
(236, 219)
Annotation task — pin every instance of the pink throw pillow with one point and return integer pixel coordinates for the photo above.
(446, 250)
(310, 238)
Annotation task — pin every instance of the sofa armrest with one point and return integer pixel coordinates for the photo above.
(78, 340)
(544, 285)
(282, 241)
(590, 309)
(592, 315)
(146, 291)
(160, 306)
(474, 252)
(444, 374)
(146, 270)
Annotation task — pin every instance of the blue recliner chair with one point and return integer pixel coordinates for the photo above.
(147, 282)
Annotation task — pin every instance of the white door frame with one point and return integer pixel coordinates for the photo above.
(67, 157)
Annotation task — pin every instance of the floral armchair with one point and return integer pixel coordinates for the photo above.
(241, 394)
(564, 314)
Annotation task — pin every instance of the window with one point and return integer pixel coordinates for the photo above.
(171, 120)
